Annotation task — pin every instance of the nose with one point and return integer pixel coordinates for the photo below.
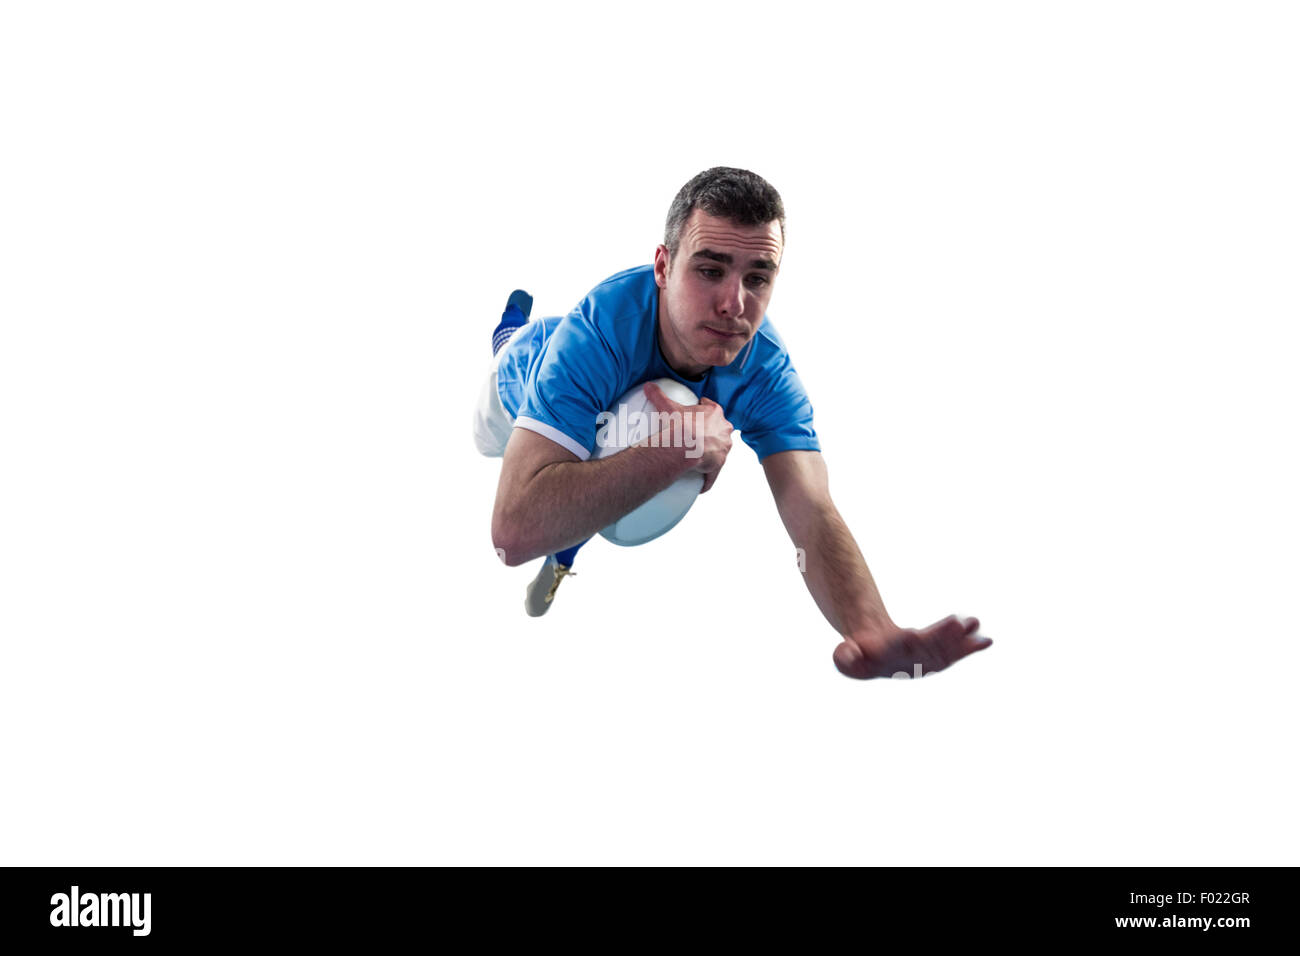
(732, 302)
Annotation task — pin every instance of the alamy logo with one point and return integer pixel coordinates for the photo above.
(101, 909)
(663, 429)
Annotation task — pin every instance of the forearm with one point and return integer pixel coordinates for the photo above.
(565, 503)
(837, 575)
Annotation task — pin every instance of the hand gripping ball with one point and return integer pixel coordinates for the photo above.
(629, 422)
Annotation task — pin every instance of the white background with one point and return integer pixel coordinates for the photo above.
(1040, 284)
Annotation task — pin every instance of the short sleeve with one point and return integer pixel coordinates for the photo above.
(576, 373)
(778, 415)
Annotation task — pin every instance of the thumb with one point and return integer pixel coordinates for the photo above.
(850, 661)
(658, 399)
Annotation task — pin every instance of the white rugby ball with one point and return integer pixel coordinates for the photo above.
(622, 426)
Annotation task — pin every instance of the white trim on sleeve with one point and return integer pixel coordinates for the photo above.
(554, 434)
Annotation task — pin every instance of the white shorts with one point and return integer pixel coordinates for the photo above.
(492, 423)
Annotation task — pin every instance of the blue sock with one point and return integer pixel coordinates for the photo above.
(566, 556)
(519, 305)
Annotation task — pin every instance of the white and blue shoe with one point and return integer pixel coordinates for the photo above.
(541, 593)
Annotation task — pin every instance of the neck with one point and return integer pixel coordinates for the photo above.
(669, 347)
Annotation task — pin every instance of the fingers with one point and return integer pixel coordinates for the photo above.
(711, 477)
(970, 630)
(949, 628)
(953, 638)
(905, 652)
(972, 633)
(954, 624)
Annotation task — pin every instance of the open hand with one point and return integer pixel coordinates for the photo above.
(891, 650)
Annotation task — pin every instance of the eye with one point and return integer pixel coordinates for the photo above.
(710, 273)
(761, 280)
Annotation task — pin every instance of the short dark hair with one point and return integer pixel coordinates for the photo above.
(746, 198)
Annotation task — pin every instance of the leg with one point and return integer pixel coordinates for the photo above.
(518, 307)
(492, 424)
(566, 556)
(540, 594)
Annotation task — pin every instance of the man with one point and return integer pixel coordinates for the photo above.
(698, 316)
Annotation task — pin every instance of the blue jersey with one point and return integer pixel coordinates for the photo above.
(561, 372)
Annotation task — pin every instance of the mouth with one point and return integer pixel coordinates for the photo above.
(723, 336)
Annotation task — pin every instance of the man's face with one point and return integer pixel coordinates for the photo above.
(715, 290)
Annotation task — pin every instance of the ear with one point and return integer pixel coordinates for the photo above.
(661, 266)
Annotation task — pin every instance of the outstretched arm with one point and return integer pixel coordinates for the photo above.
(841, 584)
